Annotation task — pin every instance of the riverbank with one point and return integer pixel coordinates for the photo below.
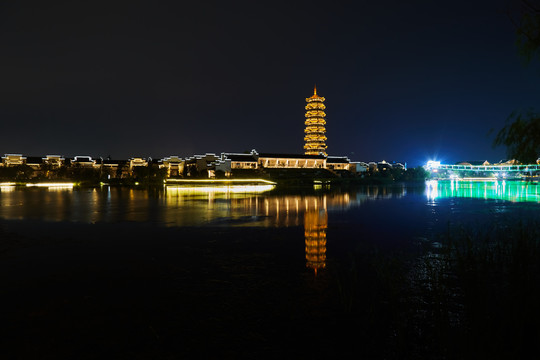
(283, 177)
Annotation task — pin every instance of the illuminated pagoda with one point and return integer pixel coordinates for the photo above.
(315, 122)
(315, 225)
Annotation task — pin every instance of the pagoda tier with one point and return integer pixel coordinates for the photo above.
(315, 139)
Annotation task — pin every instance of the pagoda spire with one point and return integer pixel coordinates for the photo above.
(315, 139)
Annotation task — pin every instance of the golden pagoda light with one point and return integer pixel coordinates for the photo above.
(315, 140)
(315, 225)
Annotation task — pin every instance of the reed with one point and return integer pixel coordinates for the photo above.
(473, 295)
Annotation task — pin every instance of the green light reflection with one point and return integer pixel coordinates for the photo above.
(516, 191)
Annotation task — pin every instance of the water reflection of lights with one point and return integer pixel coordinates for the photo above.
(516, 191)
(201, 190)
(179, 205)
(315, 225)
(480, 179)
(7, 186)
(431, 189)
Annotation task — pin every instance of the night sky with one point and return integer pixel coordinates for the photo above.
(404, 81)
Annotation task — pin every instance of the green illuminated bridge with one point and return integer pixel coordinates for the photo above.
(498, 170)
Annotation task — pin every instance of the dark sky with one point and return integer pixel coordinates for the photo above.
(404, 80)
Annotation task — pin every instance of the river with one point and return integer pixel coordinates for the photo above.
(199, 272)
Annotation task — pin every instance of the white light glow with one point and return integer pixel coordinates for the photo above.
(432, 189)
(432, 164)
(55, 185)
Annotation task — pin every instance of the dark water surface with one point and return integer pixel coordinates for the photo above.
(385, 214)
(199, 273)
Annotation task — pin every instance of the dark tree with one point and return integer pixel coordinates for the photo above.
(526, 19)
(149, 175)
(24, 172)
(8, 173)
(140, 173)
(521, 136)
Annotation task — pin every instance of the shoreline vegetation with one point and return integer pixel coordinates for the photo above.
(469, 293)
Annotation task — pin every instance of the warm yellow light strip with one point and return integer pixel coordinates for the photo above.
(8, 184)
(219, 181)
(219, 189)
(66, 185)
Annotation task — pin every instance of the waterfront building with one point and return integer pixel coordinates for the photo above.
(398, 165)
(198, 165)
(242, 161)
(83, 161)
(173, 164)
(114, 168)
(372, 166)
(383, 166)
(55, 161)
(358, 167)
(338, 163)
(223, 166)
(13, 159)
(137, 161)
(255, 160)
(315, 138)
(292, 161)
(508, 162)
(475, 163)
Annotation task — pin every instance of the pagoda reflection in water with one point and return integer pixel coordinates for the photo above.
(315, 225)
(188, 206)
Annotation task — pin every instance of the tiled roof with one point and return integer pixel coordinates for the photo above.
(240, 157)
(291, 156)
(338, 160)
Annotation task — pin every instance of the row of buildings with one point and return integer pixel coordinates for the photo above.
(207, 164)
(226, 164)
